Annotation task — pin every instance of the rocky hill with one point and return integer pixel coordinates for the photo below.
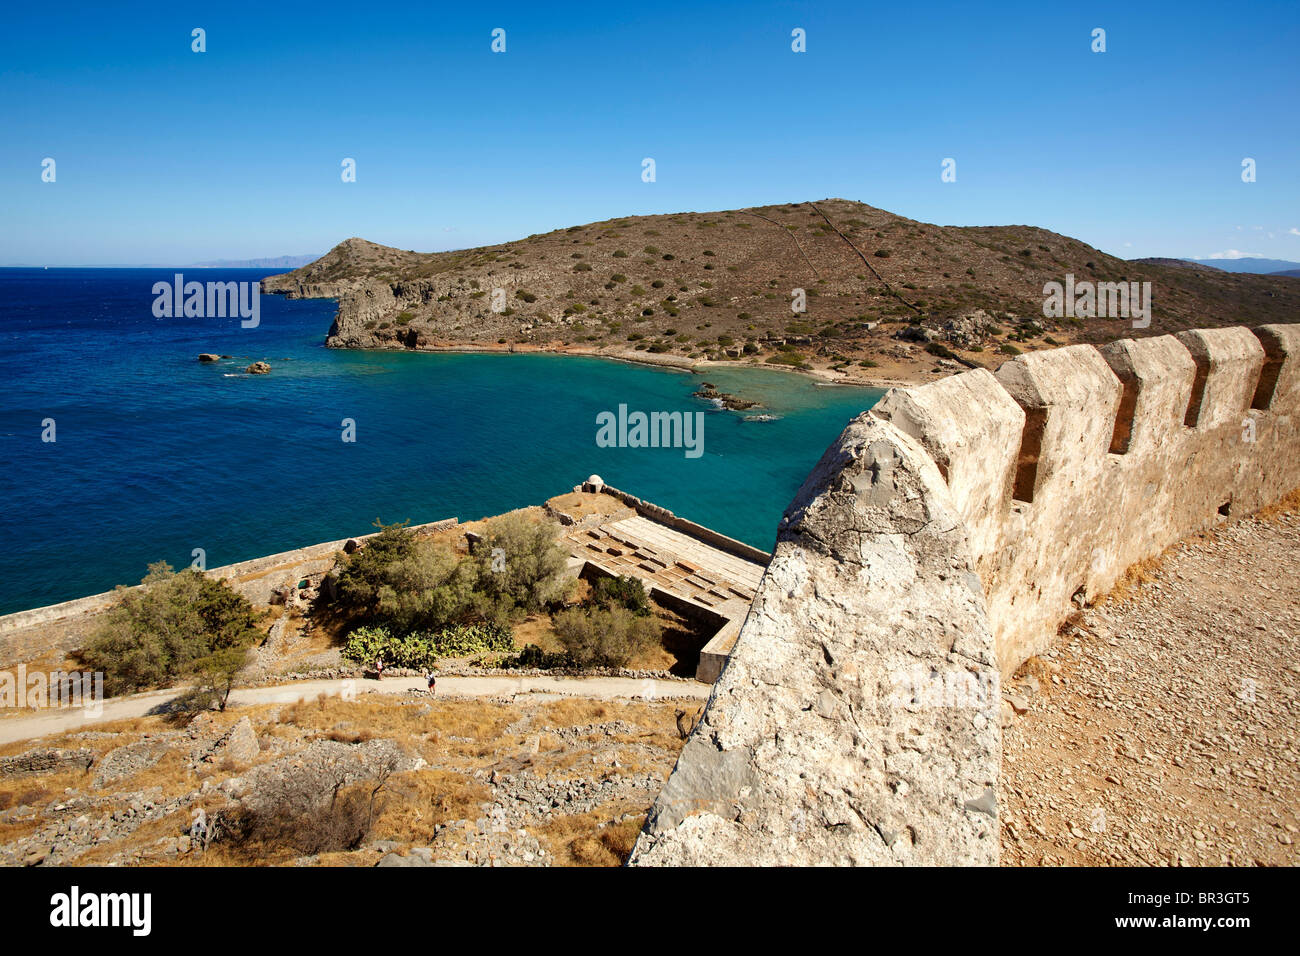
(689, 287)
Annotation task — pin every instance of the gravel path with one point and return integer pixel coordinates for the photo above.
(138, 705)
(1163, 729)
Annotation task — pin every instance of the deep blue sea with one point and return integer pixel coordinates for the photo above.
(157, 454)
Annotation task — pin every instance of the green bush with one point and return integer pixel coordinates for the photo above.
(623, 591)
(533, 656)
(410, 585)
(419, 650)
(605, 638)
(521, 564)
(793, 359)
(178, 624)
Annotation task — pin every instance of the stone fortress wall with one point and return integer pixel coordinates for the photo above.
(939, 543)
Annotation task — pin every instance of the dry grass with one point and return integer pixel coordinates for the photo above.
(422, 800)
(456, 736)
(1289, 504)
(576, 841)
(1133, 579)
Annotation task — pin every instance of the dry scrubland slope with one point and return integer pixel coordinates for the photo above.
(694, 284)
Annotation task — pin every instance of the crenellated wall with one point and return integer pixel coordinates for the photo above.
(1071, 465)
(945, 535)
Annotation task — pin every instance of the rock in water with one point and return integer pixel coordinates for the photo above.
(209, 357)
(258, 368)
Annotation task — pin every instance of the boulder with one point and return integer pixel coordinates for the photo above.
(209, 357)
(258, 368)
(127, 761)
(916, 333)
(239, 745)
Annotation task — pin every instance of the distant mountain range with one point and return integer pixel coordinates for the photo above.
(1249, 264)
(274, 262)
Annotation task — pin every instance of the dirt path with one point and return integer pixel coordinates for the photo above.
(538, 688)
(1166, 730)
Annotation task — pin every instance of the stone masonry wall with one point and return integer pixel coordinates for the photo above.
(856, 721)
(842, 729)
(1071, 465)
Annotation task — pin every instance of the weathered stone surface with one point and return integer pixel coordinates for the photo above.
(1280, 380)
(1102, 470)
(258, 368)
(1229, 362)
(127, 760)
(858, 715)
(971, 427)
(45, 761)
(239, 745)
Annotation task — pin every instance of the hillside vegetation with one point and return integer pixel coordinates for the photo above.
(688, 287)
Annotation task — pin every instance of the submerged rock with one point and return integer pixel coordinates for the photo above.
(724, 399)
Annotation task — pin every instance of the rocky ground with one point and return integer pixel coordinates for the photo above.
(885, 298)
(527, 781)
(1163, 729)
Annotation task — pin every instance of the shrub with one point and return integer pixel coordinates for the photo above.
(532, 656)
(1006, 348)
(308, 815)
(521, 564)
(941, 350)
(794, 359)
(605, 637)
(623, 591)
(177, 625)
(418, 651)
(582, 267)
(405, 318)
(526, 296)
(405, 584)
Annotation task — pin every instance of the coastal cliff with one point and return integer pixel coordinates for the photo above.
(834, 285)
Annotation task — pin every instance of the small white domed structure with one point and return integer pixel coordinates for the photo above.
(596, 482)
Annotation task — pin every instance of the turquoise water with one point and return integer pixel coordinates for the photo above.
(157, 454)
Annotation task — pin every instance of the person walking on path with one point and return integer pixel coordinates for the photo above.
(433, 684)
(379, 668)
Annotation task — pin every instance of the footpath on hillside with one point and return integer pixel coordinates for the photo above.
(138, 705)
(1163, 728)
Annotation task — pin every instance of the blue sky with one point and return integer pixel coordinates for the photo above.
(169, 156)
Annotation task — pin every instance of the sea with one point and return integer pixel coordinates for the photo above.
(118, 448)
